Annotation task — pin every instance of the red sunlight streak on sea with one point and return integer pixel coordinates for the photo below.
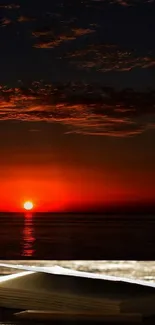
(28, 237)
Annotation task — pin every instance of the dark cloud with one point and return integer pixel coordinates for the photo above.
(22, 19)
(124, 3)
(5, 22)
(83, 108)
(130, 2)
(110, 58)
(10, 6)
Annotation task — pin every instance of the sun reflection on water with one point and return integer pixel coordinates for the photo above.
(28, 238)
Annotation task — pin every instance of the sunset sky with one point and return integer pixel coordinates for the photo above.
(77, 104)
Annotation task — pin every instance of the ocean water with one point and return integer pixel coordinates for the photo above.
(76, 236)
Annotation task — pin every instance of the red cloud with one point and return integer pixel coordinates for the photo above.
(109, 58)
(103, 112)
(49, 39)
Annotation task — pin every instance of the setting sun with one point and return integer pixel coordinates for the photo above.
(28, 205)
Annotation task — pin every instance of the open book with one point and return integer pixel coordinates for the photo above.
(57, 292)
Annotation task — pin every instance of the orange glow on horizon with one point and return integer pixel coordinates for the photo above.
(56, 189)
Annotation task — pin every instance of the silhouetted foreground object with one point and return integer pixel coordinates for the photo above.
(58, 293)
(70, 316)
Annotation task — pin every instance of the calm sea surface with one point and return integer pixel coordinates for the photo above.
(73, 236)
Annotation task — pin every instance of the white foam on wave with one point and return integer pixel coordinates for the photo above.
(5, 278)
(58, 270)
